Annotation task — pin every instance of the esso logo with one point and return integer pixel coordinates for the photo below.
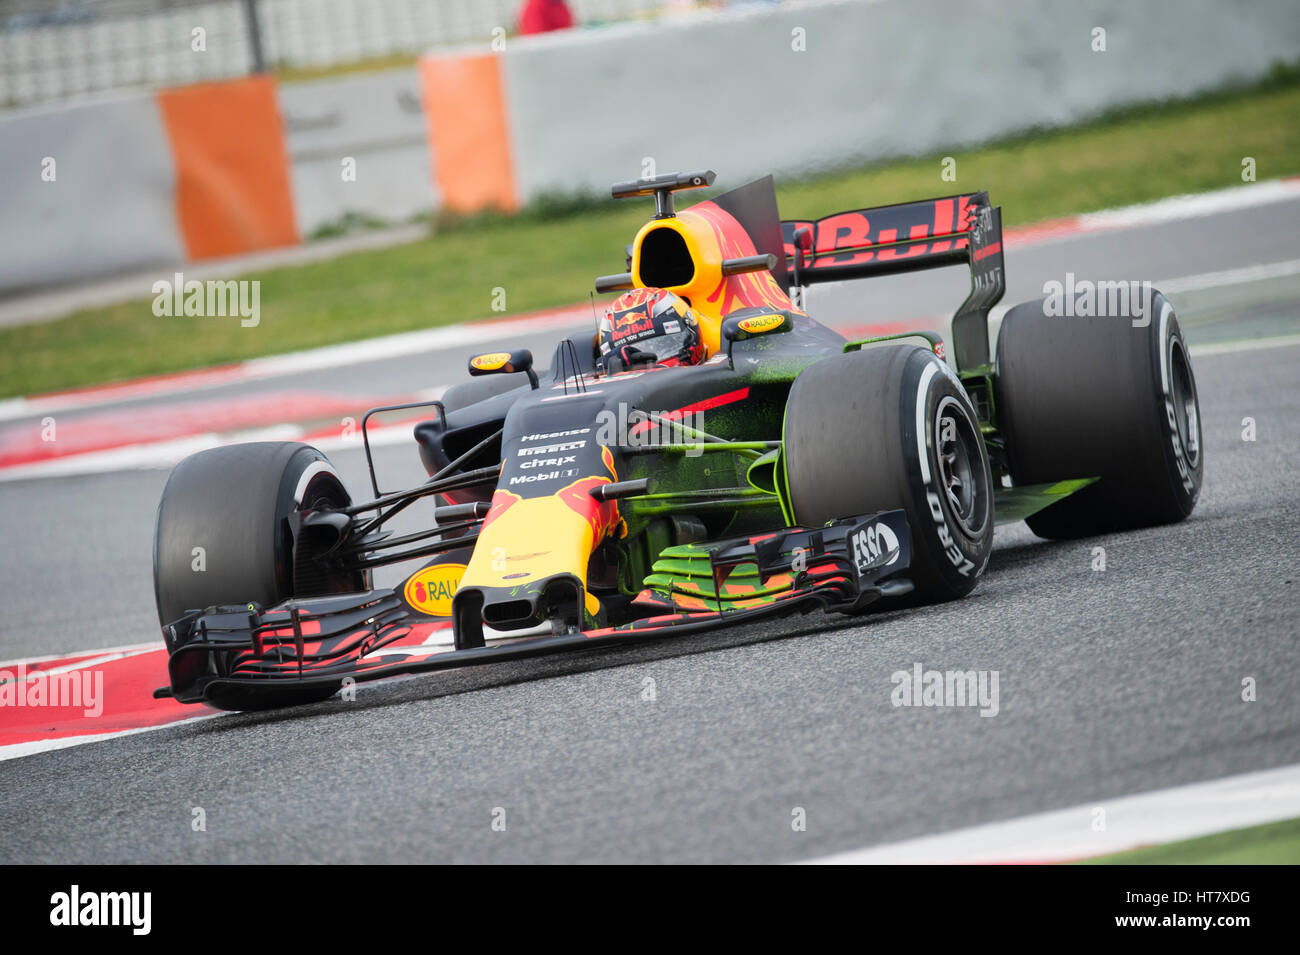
(871, 543)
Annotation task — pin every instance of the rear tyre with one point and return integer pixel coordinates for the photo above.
(222, 537)
(892, 427)
(1083, 397)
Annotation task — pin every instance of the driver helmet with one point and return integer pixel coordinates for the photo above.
(650, 326)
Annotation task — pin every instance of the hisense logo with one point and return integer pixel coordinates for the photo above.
(76, 908)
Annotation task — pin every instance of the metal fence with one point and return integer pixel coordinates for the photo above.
(54, 49)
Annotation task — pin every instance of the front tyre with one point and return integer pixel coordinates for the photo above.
(223, 537)
(892, 427)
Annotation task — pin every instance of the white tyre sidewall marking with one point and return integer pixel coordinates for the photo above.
(947, 541)
(305, 479)
(1181, 463)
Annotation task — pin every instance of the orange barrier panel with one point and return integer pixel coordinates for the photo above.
(232, 166)
(468, 139)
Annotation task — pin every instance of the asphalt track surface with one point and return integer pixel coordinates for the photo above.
(1111, 682)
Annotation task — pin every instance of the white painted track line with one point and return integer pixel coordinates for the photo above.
(1153, 818)
(32, 747)
(1191, 206)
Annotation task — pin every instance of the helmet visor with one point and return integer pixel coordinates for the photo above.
(664, 346)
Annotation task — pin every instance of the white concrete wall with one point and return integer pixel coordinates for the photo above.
(108, 209)
(877, 79)
(377, 120)
(112, 207)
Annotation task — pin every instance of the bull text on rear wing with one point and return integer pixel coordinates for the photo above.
(888, 240)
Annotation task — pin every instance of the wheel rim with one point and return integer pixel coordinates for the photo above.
(959, 467)
(1187, 420)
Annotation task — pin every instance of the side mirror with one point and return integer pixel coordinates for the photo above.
(504, 363)
(739, 328)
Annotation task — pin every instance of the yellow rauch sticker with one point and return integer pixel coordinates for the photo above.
(490, 362)
(760, 323)
(430, 590)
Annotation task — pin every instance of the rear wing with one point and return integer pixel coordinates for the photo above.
(887, 240)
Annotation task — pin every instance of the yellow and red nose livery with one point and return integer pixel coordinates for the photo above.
(569, 521)
(603, 518)
(501, 501)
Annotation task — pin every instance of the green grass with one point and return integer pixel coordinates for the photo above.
(1276, 843)
(548, 255)
(298, 74)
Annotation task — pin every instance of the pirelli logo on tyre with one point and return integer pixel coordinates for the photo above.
(430, 591)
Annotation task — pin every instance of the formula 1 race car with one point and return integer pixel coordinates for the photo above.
(711, 455)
